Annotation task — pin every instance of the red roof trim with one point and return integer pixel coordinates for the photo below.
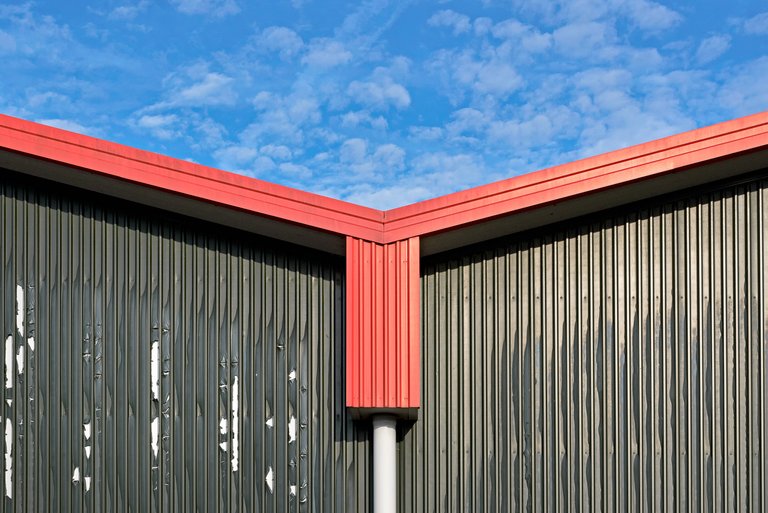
(578, 178)
(439, 214)
(189, 179)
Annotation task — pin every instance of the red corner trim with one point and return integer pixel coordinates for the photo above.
(383, 325)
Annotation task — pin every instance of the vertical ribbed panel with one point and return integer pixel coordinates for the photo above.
(383, 325)
(155, 364)
(619, 365)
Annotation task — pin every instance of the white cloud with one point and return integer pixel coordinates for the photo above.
(523, 134)
(295, 170)
(757, 24)
(234, 157)
(497, 78)
(523, 36)
(382, 162)
(467, 120)
(380, 91)
(196, 86)
(276, 151)
(211, 89)
(387, 196)
(391, 156)
(128, 11)
(162, 126)
(443, 172)
(488, 76)
(67, 124)
(426, 133)
(7, 42)
(644, 14)
(209, 133)
(584, 39)
(353, 150)
(482, 26)
(357, 118)
(41, 41)
(652, 16)
(216, 8)
(282, 119)
(326, 53)
(711, 48)
(282, 40)
(447, 18)
(744, 90)
(49, 99)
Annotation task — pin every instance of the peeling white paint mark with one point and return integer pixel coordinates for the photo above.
(155, 435)
(292, 375)
(9, 362)
(76, 475)
(292, 430)
(87, 430)
(20, 360)
(156, 370)
(235, 425)
(224, 445)
(9, 458)
(87, 452)
(31, 343)
(223, 426)
(293, 490)
(87, 483)
(270, 479)
(20, 309)
(271, 422)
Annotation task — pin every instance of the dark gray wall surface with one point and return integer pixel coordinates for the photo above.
(144, 354)
(613, 364)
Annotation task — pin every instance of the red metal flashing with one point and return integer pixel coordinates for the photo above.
(189, 179)
(578, 178)
(522, 192)
(382, 325)
(383, 247)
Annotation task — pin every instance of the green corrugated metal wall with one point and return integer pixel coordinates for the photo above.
(616, 364)
(157, 364)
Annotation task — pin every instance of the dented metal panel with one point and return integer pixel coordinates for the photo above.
(614, 364)
(151, 363)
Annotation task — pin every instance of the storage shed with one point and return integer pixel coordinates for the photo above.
(589, 337)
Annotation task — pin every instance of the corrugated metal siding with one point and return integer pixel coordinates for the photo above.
(247, 384)
(619, 365)
(383, 325)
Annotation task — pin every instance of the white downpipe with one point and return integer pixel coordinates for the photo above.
(384, 464)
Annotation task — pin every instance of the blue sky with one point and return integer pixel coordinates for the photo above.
(377, 102)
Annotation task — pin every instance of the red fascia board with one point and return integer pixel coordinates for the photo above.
(189, 179)
(471, 206)
(578, 178)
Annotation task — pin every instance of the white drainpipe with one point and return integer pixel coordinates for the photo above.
(384, 464)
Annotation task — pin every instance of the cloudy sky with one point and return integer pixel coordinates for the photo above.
(382, 102)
